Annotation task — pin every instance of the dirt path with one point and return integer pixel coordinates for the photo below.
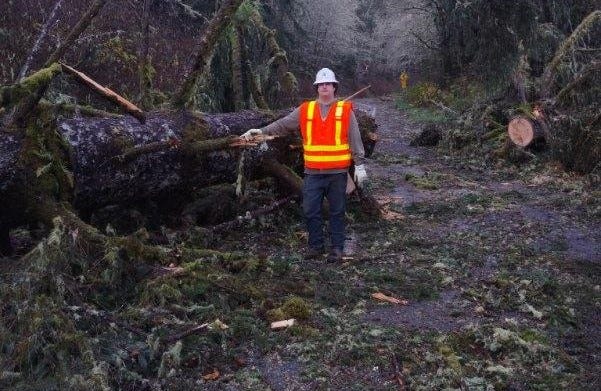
(493, 234)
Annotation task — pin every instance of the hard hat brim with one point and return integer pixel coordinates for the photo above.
(322, 82)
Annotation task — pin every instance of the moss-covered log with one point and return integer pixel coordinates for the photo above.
(79, 160)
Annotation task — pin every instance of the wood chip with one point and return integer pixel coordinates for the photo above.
(282, 324)
(382, 297)
(212, 376)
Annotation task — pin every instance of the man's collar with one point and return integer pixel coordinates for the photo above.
(324, 103)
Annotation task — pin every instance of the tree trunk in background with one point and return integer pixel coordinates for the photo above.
(145, 67)
(237, 78)
(255, 88)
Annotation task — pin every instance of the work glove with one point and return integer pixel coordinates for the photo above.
(249, 134)
(360, 175)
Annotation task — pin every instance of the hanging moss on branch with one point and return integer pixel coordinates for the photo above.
(253, 82)
(207, 44)
(581, 78)
(547, 81)
(278, 59)
(12, 94)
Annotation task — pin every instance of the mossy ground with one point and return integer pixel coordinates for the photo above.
(500, 265)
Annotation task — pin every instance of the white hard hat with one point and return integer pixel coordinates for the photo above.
(325, 75)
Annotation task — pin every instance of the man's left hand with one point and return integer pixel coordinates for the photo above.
(360, 175)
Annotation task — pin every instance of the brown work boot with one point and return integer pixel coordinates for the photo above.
(313, 253)
(335, 255)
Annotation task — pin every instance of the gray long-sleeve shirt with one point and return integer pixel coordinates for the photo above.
(291, 123)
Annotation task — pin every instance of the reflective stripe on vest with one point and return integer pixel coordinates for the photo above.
(328, 149)
(310, 115)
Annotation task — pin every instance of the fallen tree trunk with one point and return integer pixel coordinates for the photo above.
(107, 161)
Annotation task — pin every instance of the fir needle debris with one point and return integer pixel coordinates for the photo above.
(390, 299)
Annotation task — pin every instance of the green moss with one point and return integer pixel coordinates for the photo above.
(450, 357)
(533, 335)
(276, 314)
(45, 156)
(116, 49)
(195, 129)
(304, 331)
(161, 295)
(296, 307)
(120, 140)
(289, 82)
(279, 57)
(136, 249)
(428, 181)
(11, 95)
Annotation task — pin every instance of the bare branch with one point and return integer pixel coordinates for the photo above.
(428, 45)
(81, 25)
(36, 46)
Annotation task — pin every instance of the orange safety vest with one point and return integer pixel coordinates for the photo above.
(325, 142)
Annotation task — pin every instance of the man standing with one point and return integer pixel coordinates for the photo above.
(331, 142)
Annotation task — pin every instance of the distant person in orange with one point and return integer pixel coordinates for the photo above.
(404, 79)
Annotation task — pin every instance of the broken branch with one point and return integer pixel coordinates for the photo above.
(107, 93)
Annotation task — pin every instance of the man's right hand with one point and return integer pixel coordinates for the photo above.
(249, 134)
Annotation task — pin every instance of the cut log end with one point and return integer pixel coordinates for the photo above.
(521, 131)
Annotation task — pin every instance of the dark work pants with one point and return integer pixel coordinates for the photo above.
(315, 188)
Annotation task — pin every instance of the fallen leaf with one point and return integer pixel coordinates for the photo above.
(382, 297)
(212, 376)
